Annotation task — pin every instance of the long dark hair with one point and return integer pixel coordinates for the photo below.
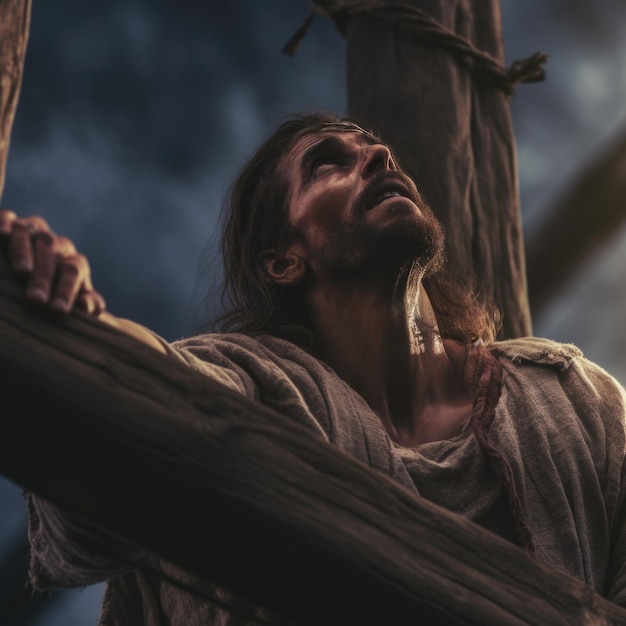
(255, 220)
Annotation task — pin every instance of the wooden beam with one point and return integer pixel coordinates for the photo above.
(585, 219)
(147, 447)
(14, 24)
(454, 136)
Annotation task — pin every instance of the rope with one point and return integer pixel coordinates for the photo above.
(485, 67)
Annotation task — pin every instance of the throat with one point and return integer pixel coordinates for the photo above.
(419, 398)
(437, 424)
(385, 343)
(430, 399)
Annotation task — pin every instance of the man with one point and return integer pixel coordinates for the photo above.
(342, 319)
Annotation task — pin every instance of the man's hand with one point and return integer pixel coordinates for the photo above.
(56, 275)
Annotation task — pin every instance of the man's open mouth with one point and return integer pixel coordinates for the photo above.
(387, 194)
(388, 188)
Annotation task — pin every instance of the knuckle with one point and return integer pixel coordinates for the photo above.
(65, 245)
(98, 301)
(71, 272)
(20, 225)
(40, 223)
(19, 243)
(7, 215)
(70, 269)
(81, 261)
(31, 226)
(44, 239)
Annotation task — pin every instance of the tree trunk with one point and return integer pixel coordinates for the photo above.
(147, 447)
(14, 24)
(454, 137)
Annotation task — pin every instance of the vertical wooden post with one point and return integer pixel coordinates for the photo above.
(14, 23)
(453, 136)
(14, 26)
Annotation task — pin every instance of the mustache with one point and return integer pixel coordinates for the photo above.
(376, 185)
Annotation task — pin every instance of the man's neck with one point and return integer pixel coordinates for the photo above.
(387, 346)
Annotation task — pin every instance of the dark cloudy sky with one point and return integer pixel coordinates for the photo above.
(135, 115)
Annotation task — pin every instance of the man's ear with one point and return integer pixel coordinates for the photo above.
(283, 267)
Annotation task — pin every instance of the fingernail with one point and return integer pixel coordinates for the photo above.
(23, 266)
(37, 293)
(60, 305)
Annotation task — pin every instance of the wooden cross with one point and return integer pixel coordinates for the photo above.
(107, 428)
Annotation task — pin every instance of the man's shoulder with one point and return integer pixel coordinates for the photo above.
(558, 357)
(538, 351)
(214, 339)
(251, 350)
(564, 377)
(233, 340)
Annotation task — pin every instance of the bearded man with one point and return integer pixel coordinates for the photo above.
(343, 319)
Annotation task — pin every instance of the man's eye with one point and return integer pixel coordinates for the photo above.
(324, 164)
(320, 166)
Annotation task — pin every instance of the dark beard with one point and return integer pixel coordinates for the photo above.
(360, 249)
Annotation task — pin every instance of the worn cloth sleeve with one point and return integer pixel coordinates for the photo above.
(70, 551)
(67, 550)
(614, 397)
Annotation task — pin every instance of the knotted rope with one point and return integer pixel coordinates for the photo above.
(429, 30)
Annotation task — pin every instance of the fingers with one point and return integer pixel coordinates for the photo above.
(44, 266)
(20, 233)
(57, 275)
(57, 271)
(91, 302)
(21, 256)
(72, 274)
(6, 221)
(62, 282)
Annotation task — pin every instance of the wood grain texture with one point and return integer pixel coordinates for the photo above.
(243, 497)
(454, 137)
(14, 24)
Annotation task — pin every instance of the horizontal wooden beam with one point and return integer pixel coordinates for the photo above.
(150, 449)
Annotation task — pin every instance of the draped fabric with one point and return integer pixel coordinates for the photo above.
(541, 460)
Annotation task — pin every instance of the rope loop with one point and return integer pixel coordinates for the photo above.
(485, 68)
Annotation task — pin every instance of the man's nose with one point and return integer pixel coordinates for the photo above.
(377, 157)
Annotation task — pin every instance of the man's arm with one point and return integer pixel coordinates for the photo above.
(133, 329)
(56, 275)
(66, 550)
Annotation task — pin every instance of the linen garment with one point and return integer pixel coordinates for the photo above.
(545, 469)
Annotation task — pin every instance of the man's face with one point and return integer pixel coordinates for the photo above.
(353, 207)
